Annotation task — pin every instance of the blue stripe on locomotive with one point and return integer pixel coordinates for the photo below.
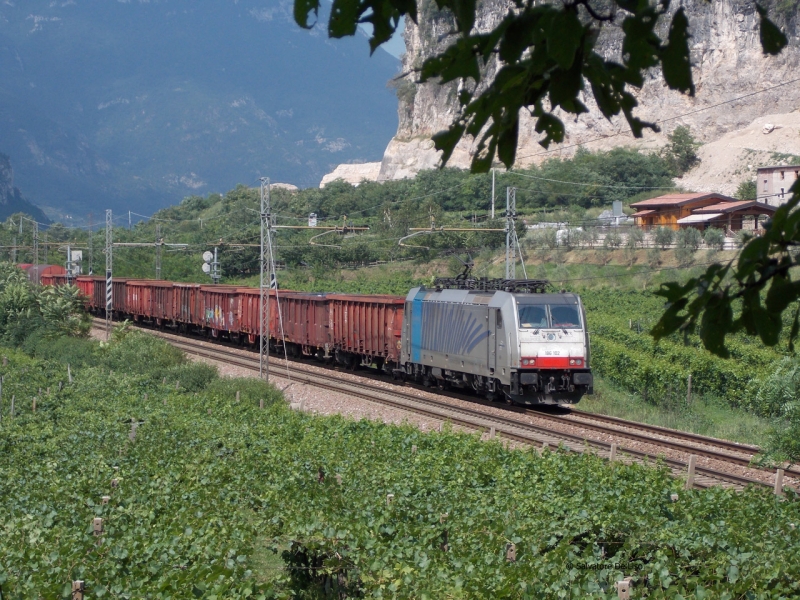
(444, 327)
(416, 326)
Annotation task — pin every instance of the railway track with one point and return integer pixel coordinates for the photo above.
(510, 427)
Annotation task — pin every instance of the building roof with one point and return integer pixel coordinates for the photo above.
(778, 168)
(644, 213)
(679, 200)
(694, 218)
(726, 207)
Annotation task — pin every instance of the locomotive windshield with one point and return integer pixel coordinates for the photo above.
(543, 316)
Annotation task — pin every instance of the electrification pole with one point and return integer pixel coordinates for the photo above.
(216, 272)
(36, 250)
(69, 265)
(91, 254)
(46, 246)
(158, 251)
(492, 193)
(109, 288)
(265, 279)
(512, 239)
(511, 213)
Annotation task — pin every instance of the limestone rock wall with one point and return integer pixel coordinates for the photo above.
(727, 63)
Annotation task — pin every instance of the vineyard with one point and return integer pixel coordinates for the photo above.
(216, 497)
(624, 352)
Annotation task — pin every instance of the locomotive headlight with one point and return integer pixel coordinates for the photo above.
(572, 361)
(524, 361)
(578, 362)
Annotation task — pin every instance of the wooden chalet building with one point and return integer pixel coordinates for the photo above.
(701, 211)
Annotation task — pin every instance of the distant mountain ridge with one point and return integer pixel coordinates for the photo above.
(11, 199)
(134, 105)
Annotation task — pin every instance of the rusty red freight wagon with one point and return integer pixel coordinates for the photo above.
(220, 308)
(35, 272)
(119, 303)
(304, 318)
(186, 308)
(249, 323)
(366, 329)
(85, 285)
(149, 299)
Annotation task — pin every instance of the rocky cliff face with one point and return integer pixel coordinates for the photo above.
(11, 200)
(727, 63)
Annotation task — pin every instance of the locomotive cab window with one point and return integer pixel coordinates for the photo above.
(565, 317)
(499, 320)
(533, 317)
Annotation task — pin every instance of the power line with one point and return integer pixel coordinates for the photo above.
(626, 187)
(661, 121)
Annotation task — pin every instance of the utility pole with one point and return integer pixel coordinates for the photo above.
(14, 250)
(109, 288)
(265, 279)
(492, 193)
(36, 250)
(91, 254)
(159, 242)
(46, 246)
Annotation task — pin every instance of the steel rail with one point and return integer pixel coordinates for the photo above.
(474, 419)
(505, 427)
(701, 439)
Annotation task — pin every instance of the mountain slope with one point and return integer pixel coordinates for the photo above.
(136, 104)
(11, 199)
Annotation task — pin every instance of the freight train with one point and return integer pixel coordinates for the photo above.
(505, 339)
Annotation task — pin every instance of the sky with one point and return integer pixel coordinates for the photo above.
(396, 46)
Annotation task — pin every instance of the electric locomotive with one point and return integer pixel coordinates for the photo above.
(505, 339)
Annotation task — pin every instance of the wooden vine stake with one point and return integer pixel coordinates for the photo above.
(12, 406)
(69, 373)
(105, 499)
(389, 499)
(97, 525)
(492, 432)
(5, 361)
(261, 404)
(238, 396)
(115, 483)
(177, 385)
(690, 475)
(414, 449)
(623, 589)
(78, 589)
(511, 552)
(33, 406)
(145, 397)
(613, 453)
(134, 427)
(779, 482)
(338, 479)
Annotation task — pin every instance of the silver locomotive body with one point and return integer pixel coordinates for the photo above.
(533, 348)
